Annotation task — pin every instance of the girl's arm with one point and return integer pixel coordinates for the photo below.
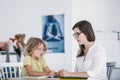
(50, 72)
(35, 73)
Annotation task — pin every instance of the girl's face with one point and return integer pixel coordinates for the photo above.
(38, 51)
(79, 36)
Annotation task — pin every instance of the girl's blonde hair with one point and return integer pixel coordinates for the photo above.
(32, 43)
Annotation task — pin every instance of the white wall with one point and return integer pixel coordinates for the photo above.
(24, 16)
(104, 15)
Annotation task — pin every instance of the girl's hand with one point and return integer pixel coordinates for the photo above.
(61, 72)
(52, 73)
(57, 74)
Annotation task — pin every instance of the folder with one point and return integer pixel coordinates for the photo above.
(73, 78)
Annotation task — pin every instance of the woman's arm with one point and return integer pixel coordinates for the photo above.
(66, 73)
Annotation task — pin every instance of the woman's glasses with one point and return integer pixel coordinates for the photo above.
(76, 35)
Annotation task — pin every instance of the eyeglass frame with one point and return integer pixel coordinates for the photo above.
(76, 35)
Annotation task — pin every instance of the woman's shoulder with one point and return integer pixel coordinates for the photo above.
(98, 49)
(97, 46)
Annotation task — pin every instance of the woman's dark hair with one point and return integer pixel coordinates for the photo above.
(86, 28)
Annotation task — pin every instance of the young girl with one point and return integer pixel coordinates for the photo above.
(34, 64)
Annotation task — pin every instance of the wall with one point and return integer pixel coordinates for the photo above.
(104, 16)
(24, 16)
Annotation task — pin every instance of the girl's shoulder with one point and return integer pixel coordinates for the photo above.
(27, 57)
(42, 59)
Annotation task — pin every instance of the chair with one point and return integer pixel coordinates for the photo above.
(110, 66)
(10, 70)
(115, 75)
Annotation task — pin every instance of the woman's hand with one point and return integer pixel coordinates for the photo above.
(64, 73)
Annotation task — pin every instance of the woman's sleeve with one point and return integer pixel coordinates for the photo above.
(75, 70)
(99, 63)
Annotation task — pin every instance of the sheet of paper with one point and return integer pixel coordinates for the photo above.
(36, 76)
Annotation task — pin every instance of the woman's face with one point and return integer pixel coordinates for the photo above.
(79, 36)
(39, 51)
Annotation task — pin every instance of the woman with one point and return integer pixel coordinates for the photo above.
(91, 58)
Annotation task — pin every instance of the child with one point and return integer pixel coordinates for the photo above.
(34, 63)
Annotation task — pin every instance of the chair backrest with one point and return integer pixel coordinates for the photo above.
(115, 75)
(110, 66)
(11, 70)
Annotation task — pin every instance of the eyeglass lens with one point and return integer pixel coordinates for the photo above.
(75, 35)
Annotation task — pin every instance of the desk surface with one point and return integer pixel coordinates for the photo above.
(33, 79)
